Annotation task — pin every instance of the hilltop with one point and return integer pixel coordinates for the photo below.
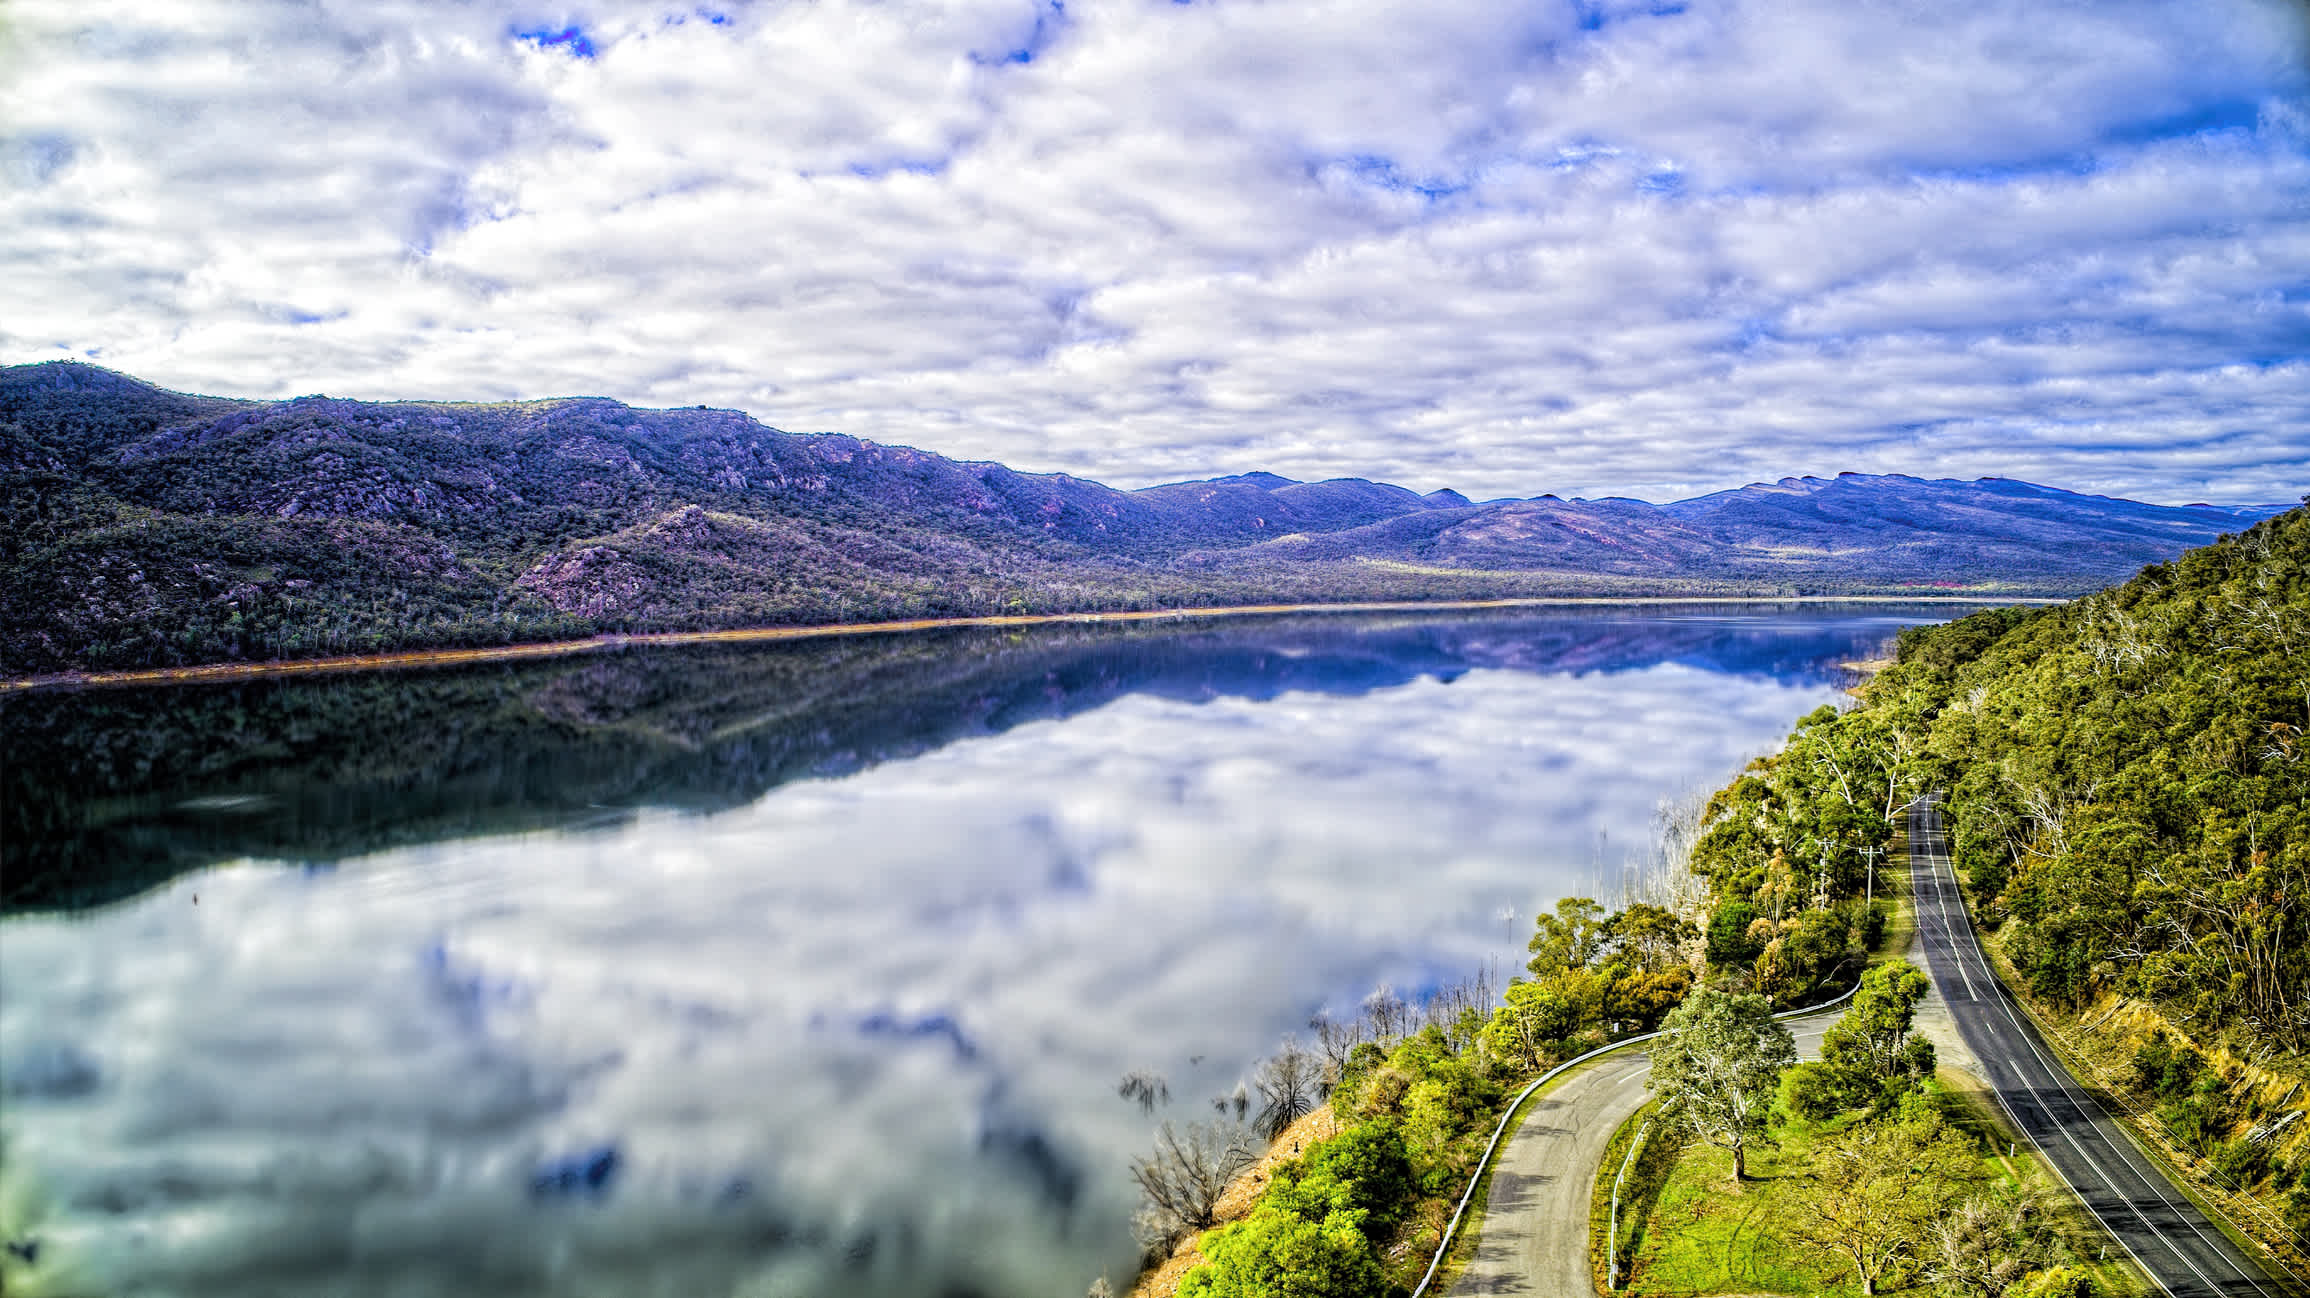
(140, 526)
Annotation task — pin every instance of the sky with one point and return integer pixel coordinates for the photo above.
(1580, 246)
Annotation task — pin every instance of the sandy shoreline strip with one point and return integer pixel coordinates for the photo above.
(750, 635)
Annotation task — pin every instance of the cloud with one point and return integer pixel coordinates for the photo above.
(859, 1036)
(1594, 248)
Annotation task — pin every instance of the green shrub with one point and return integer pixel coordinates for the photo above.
(2162, 1070)
(2053, 1282)
(2242, 1162)
(1813, 1091)
(1277, 1254)
(1365, 1169)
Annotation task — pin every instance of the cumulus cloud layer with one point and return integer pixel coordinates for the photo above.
(1589, 247)
(859, 1037)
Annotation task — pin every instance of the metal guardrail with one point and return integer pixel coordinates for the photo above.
(1612, 1224)
(1452, 1227)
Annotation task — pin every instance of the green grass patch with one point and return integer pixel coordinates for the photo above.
(1701, 1233)
(1707, 1235)
(1639, 1182)
(1967, 1106)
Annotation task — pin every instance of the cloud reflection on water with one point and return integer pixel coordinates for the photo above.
(859, 1036)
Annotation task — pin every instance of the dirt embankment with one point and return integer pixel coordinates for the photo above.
(1235, 1205)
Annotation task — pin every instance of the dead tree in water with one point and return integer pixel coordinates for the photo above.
(1144, 1088)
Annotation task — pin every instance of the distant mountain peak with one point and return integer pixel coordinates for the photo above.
(78, 376)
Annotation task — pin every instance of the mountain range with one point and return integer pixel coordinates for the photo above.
(140, 526)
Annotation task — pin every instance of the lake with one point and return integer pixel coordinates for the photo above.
(806, 969)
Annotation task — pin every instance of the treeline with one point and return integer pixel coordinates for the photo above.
(1790, 852)
(2130, 780)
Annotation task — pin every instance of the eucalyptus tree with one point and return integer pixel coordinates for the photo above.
(1878, 1188)
(1717, 1065)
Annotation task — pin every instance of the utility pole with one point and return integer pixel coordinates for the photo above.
(1871, 854)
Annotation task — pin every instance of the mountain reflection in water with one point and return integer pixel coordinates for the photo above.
(855, 1029)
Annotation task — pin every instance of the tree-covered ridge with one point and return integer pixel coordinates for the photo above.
(2128, 774)
(1789, 850)
(2130, 780)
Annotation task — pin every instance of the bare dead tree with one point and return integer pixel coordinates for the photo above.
(1290, 1082)
(1335, 1041)
(1144, 1088)
(1984, 1246)
(1180, 1183)
(1389, 1016)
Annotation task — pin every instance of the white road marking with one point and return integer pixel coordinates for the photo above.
(1937, 862)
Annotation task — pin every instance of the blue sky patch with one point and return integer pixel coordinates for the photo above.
(1048, 21)
(900, 167)
(1665, 182)
(572, 38)
(927, 1027)
(1384, 173)
(588, 1173)
(2234, 116)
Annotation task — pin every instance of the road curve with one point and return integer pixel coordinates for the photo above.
(2166, 1233)
(1533, 1238)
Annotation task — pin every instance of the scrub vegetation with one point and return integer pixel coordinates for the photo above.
(1417, 1092)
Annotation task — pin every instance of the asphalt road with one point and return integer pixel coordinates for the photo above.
(2165, 1232)
(1533, 1238)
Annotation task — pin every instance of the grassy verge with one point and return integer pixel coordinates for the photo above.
(1703, 1233)
(1639, 1190)
(1967, 1104)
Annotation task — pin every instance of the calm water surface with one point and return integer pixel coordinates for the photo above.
(805, 970)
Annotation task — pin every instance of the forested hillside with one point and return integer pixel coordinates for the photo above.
(2129, 779)
(140, 527)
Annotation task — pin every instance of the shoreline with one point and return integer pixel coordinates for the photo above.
(405, 658)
